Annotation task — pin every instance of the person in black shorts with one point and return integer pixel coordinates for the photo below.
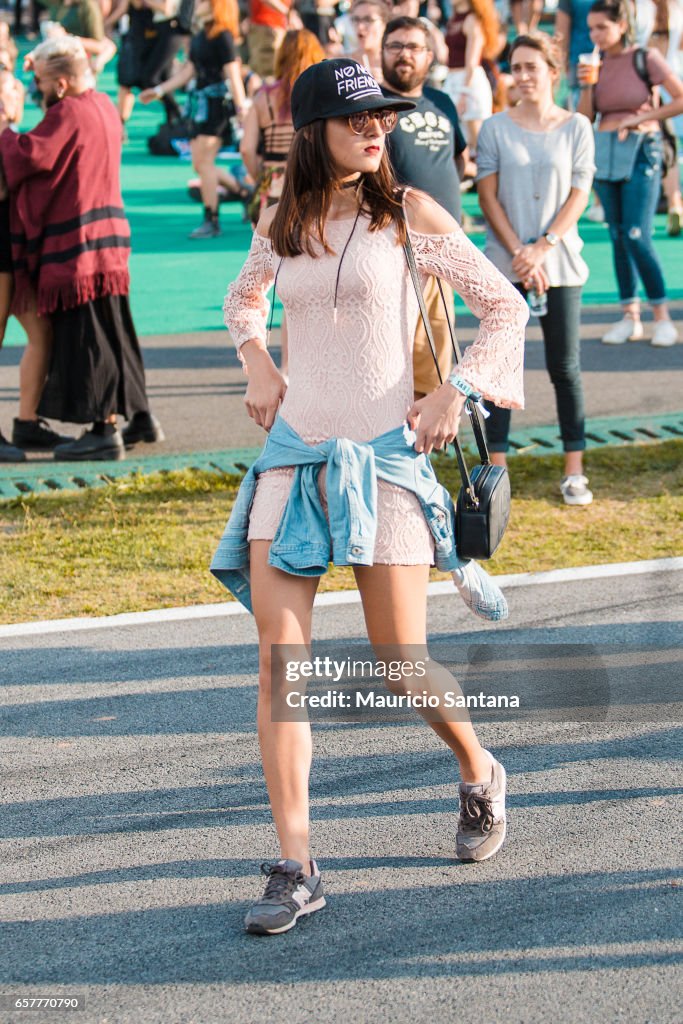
(217, 95)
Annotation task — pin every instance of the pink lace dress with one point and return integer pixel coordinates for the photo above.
(353, 378)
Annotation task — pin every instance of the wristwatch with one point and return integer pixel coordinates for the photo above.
(551, 238)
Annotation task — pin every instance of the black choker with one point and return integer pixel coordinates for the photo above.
(351, 184)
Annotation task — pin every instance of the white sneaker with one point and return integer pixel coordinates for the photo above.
(624, 330)
(596, 214)
(665, 334)
(575, 490)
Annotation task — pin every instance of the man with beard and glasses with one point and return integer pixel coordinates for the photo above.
(428, 151)
(70, 247)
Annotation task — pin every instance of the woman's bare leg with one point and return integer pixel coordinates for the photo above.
(6, 288)
(34, 364)
(125, 103)
(395, 608)
(205, 149)
(283, 607)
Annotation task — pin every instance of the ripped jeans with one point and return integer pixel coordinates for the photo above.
(629, 211)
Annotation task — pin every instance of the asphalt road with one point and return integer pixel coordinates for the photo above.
(135, 816)
(196, 385)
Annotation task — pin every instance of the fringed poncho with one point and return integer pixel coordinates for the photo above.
(70, 236)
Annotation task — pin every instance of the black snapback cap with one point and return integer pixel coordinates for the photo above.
(337, 88)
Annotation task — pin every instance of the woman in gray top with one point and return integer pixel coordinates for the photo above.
(535, 168)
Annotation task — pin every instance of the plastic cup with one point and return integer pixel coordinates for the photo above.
(590, 61)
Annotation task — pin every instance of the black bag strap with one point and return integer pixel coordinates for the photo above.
(472, 408)
(640, 66)
(483, 450)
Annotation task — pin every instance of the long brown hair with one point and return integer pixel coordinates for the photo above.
(309, 186)
(298, 50)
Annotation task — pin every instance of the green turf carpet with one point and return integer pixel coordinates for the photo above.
(178, 285)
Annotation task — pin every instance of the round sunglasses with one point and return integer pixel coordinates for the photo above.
(387, 119)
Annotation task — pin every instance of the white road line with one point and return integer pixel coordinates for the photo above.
(209, 611)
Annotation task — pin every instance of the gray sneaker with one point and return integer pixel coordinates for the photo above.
(208, 229)
(481, 826)
(288, 896)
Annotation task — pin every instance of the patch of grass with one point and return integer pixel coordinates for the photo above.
(146, 542)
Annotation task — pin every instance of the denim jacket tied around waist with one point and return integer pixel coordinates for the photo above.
(304, 543)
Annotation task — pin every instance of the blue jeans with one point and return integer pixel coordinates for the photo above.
(629, 210)
(561, 338)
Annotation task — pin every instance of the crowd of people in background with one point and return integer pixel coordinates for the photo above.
(505, 92)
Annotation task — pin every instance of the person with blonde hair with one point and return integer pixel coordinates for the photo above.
(268, 128)
(70, 249)
(218, 93)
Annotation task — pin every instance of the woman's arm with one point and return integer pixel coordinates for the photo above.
(102, 53)
(563, 28)
(474, 47)
(116, 13)
(674, 86)
(233, 76)
(493, 365)
(473, 51)
(438, 44)
(529, 258)
(165, 7)
(487, 190)
(586, 104)
(177, 81)
(245, 312)
(250, 142)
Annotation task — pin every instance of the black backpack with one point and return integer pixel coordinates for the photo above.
(160, 144)
(669, 139)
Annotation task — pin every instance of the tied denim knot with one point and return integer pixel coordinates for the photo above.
(305, 543)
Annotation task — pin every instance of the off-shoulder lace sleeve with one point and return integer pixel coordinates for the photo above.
(494, 364)
(245, 309)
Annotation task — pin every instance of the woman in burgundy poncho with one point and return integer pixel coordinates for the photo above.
(70, 247)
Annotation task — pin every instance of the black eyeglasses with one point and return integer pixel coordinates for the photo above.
(397, 48)
(387, 120)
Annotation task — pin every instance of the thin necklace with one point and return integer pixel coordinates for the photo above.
(341, 260)
(336, 283)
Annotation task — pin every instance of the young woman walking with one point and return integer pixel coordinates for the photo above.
(215, 68)
(535, 168)
(334, 244)
(628, 157)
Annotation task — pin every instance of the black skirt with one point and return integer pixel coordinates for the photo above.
(218, 120)
(5, 241)
(96, 366)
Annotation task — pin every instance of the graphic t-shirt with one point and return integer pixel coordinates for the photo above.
(424, 145)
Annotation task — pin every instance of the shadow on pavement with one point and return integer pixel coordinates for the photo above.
(463, 926)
